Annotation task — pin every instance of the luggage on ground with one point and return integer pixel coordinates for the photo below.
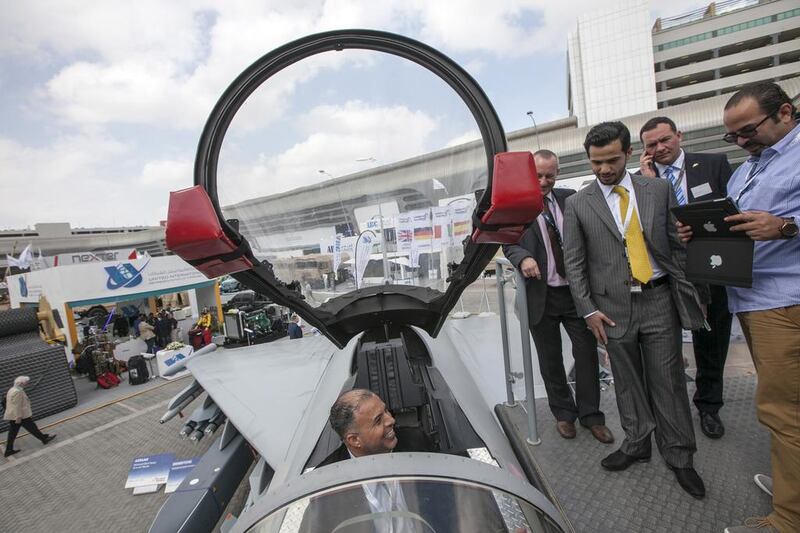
(137, 370)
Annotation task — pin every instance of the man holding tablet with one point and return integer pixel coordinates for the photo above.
(760, 118)
(695, 177)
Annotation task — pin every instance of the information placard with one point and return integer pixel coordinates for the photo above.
(178, 472)
(149, 470)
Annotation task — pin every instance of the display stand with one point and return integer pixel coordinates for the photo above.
(168, 358)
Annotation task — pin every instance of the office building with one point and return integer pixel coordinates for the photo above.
(613, 55)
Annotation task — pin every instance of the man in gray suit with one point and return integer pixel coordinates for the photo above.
(625, 264)
(539, 256)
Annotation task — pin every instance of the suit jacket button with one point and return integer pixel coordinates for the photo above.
(627, 283)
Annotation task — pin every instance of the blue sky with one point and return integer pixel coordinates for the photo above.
(104, 101)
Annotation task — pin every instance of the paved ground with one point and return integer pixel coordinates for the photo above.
(76, 483)
(646, 497)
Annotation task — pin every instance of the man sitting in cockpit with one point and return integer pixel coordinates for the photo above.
(364, 424)
(366, 427)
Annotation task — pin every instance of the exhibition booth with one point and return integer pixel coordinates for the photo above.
(132, 286)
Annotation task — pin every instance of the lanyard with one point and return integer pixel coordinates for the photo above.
(623, 227)
(751, 176)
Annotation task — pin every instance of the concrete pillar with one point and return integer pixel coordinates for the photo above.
(218, 300)
(193, 304)
(716, 73)
(72, 330)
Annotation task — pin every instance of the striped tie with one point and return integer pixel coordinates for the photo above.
(673, 179)
(641, 269)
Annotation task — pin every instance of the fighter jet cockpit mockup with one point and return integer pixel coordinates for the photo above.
(362, 180)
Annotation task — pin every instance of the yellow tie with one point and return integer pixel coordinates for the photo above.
(641, 269)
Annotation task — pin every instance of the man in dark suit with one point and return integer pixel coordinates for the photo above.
(539, 256)
(625, 264)
(695, 177)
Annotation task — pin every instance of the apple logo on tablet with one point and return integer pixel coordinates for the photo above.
(710, 227)
(715, 261)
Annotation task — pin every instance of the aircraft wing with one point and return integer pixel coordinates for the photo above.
(267, 390)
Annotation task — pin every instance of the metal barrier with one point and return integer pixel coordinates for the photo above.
(522, 310)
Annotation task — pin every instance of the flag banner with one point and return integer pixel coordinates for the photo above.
(24, 261)
(441, 228)
(405, 232)
(423, 231)
(337, 254)
(363, 251)
(413, 259)
(462, 221)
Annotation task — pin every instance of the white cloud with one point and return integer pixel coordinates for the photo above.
(168, 174)
(161, 66)
(79, 179)
(61, 182)
(467, 136)
(335, 136)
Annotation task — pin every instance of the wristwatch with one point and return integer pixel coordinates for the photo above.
(789, 228)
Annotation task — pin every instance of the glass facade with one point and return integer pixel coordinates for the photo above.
(728, 29)
(611, 63)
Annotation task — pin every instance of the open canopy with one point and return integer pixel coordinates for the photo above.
(351, 163)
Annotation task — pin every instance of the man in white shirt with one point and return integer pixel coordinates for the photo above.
(366, 428)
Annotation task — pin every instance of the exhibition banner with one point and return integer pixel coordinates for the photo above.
(178, 472)
(461, 215)
(363, 251)
(442, 228)
(96, 280)
(423, 232)
(337, 254)
(149, 470)
(405, 232)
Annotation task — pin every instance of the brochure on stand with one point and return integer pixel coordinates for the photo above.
(148, 471)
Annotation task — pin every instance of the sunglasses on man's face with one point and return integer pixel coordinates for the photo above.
(748, 132)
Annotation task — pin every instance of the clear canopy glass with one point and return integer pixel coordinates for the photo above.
(352, 169)
(408, 505)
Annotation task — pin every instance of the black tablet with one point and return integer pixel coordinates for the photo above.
(707, 218)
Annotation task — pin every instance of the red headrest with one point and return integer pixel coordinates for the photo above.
(195, 235)
(516, 200)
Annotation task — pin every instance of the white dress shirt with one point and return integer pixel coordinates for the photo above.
(612, 199)
(385, 497)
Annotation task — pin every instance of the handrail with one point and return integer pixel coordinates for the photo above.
(527, 361)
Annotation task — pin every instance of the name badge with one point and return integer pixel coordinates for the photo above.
(701, 190)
